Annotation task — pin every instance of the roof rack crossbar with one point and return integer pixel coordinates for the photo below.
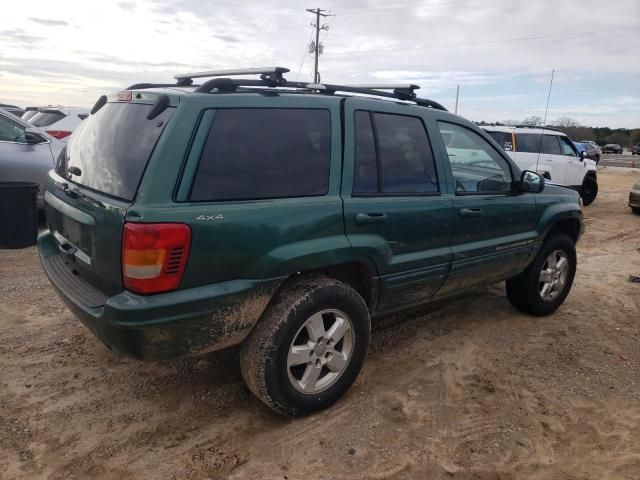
(269, 74)
(272, 77)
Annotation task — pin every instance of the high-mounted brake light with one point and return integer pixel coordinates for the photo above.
(124, 96)
(154, 256)
(59, 134)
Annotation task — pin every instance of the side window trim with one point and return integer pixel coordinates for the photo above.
(193, 156)
(376, 149)
(379, 168)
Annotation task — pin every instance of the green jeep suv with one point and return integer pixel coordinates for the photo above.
(284, 216)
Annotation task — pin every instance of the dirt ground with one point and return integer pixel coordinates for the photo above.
(471, 390)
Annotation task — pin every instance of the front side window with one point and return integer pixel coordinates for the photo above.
(567, 148)
(264, 153)
(11, 131)
(476, 166)
(550, 145)
(393, 155)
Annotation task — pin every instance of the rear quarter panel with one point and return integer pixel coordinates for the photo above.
(251, 239)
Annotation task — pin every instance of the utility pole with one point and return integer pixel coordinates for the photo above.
(316, 48)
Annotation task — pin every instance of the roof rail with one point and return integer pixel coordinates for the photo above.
(272, 77)
(545, 127)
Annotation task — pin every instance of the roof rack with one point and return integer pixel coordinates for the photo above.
(272, 77)
(536, 126)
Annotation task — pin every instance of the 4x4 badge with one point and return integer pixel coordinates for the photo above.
(210, 217)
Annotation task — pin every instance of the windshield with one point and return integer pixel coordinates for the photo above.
(112, 147)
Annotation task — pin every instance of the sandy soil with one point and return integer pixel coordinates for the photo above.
(471, 390)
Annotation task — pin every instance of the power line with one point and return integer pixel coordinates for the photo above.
(305, 53)
(487, 42)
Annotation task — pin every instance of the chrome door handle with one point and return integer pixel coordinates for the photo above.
(364, 218)
(470, 212)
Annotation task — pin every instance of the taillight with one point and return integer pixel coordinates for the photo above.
(154, 256)
(59, 134)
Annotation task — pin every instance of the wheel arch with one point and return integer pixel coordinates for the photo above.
(357, 274)
(568, 226)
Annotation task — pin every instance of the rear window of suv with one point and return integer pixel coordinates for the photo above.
(44, 119)
(265, 153)
(112, 147)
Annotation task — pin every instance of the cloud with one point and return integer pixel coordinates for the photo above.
(501, 53)
(18, 38)
(50, 23)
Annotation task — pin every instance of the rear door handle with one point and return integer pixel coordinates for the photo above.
(363, 218)
(470, 212)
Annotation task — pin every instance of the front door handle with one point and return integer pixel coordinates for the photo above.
(363, 218)
(470, 212)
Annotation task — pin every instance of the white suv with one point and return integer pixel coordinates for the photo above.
(57, 121)
(550, 153)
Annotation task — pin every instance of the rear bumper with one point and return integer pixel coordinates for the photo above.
(185, 322)
(634, 199)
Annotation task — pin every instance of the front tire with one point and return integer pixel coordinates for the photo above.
(308, 348)
(635, 210)
(589, 190)
(545, 284)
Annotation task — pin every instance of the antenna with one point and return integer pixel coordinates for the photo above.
(544, 123)
(457, 96)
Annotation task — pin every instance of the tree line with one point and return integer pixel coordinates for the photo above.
(601, 135)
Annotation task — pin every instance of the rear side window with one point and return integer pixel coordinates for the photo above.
(528, 142)
(112, 147)
(504, 139)
(265, 153)
(393, 155)
(44, 119)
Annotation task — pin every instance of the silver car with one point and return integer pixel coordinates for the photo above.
(26, 152)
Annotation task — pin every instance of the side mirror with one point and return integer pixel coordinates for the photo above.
(32, 137)
(583, 155)
(531, 182)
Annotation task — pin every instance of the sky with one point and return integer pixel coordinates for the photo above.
(500, 52)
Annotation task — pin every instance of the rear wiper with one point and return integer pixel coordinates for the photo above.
(75, 193)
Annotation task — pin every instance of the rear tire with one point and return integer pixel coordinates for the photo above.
(527, 291)
(308, 348)
(589, 190)
(636, 210)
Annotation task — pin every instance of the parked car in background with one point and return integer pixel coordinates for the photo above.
(17, 111)
(29, 112)
(612, 148)
(59, 122)
(154, 208)
(591, 152)
(634, 198)
(592, 142)
(551, 153)
(635, 149)
(26, 152)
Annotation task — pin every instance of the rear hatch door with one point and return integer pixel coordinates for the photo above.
(95, 181)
